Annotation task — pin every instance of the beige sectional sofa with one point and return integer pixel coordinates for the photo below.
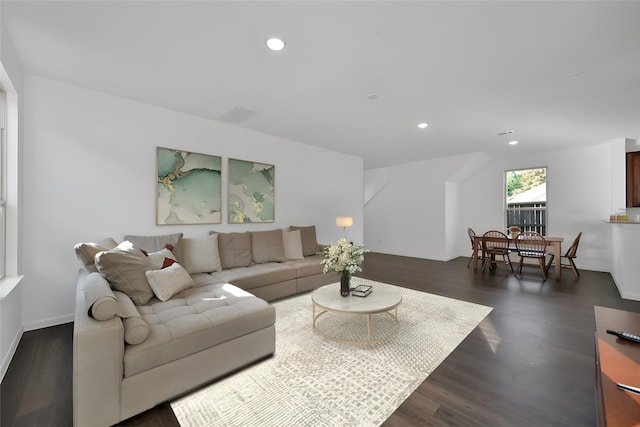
(158, 316)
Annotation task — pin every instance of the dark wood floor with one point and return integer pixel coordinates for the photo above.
(529, 363)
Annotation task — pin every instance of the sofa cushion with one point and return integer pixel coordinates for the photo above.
(155, 243)
(308, 238)
(292, 244)
(124, 267)
(235, 249)
(101, 302)
(162, 258)
(267, 246)
(136, 329)
(257, 275)
(202, 279)
(86, 252)
(200, 254)
(308, 266)
(193, 320)
(167, 282)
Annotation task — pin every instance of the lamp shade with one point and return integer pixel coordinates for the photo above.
(344, 221)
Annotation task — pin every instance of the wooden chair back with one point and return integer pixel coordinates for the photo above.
(572, 252)
(495, 242)
(531, 244)
(472, 235)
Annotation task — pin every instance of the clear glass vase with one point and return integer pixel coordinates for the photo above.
(345, 283)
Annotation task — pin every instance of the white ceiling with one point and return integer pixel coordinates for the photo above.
(560, 74)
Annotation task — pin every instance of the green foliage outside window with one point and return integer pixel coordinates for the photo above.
(519, 181)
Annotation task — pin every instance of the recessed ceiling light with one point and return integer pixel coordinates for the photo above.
(513, 142)
(372, 96)
(422, 125)
(275, 43)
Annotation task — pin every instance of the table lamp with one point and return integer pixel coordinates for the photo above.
(344, 222)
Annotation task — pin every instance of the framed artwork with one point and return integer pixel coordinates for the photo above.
(189, 188)
(251, 192)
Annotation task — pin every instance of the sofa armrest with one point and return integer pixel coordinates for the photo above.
(98, 354)
(101, 303)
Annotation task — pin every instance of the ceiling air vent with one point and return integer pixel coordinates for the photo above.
(237, 114)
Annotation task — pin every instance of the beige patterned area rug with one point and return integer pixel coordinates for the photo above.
(312, 381)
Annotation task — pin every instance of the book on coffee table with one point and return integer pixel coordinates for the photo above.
(361, 290)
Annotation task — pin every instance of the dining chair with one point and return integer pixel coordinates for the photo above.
(478, 250)
(495, 243)
(566, 260)
(531, 244)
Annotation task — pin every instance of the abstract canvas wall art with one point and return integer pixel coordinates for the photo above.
(189, 188)
(251, 192)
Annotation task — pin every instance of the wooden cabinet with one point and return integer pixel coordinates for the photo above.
(633, 179)
(617, 361)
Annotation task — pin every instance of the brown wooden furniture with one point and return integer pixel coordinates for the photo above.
(531, 244)
(569, 256)
(617, 361)
(494, 244)
(633, 179)
(556, 242)
(476, 247)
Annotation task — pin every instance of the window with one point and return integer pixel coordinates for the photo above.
(3, 180)
(526, 191)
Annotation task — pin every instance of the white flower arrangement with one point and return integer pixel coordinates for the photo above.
(343, 257)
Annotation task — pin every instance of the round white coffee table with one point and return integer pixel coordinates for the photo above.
(382, 300)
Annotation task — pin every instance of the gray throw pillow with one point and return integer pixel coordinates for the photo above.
(200, 254)
(267, 246)
(292, 244)
(309, 240)
(124, 267)
(234, 249)
(155, 243)
(86, 251)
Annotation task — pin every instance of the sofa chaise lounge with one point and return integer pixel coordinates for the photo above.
(159, 316)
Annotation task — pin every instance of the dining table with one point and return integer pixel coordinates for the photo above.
(556, 242)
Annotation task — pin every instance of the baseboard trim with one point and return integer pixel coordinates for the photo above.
(9, 355)
(51, 321)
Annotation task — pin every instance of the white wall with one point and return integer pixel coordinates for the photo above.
(426, 207)
(10, 294)
(90, 165)
(408, 215)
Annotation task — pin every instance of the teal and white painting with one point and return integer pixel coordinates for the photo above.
(251, 192)
(189, 188)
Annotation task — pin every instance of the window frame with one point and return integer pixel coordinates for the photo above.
(3, 183)
(542, 211)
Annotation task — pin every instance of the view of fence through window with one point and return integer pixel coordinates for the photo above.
(527, 199)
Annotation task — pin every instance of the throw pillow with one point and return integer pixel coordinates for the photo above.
(86, 252)
(200, 254)
(235, 249)
(309, 240)
(124, 267)
(168, 281)
(267, 246)
(292, 244)
(155, 243)
(161, 259)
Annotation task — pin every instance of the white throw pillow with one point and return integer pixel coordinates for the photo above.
(169, 281)
(157, 258)
(201, 254)
(292, 244)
